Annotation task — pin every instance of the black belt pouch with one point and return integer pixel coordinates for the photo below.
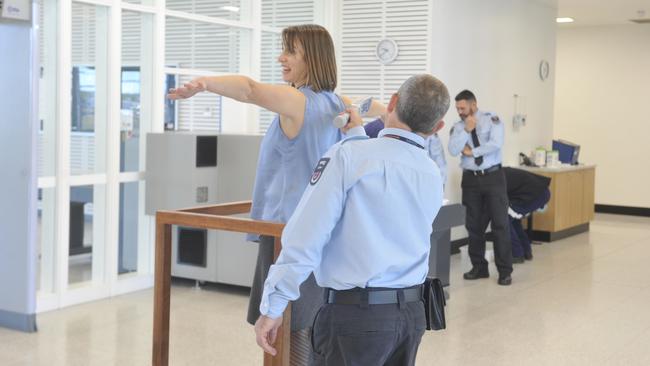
(434, 304)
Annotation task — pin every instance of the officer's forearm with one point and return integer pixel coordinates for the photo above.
(485, 149)
(457, 142)
(456, 147)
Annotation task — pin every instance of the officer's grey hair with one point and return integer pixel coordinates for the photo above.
(422, 101)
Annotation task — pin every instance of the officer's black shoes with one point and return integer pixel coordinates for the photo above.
(476, 273)
(504, 280)
(517, 259)
(528, 256)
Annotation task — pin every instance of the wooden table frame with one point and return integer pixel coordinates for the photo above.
(206, 217)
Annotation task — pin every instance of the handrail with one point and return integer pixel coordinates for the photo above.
(207, 217)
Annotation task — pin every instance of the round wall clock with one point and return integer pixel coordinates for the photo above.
(386, 51)
(544, 70)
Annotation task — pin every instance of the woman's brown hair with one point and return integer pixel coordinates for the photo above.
(319, 54)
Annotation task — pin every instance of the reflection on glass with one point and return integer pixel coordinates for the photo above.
(274, 13)
(225, 9)
(87, 206)
(135, 86)
(170, 105)
(128, 237)
(271, 71)
(203, 46)
(142, 2)
(88, 89)
(202, 112)
(83, 98)
(130, 116)
(45, 240)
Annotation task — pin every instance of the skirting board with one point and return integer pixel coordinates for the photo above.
(18, 321)
(623, 210)
(557, 235)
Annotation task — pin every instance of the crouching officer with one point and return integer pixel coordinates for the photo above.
(362, 226)
(479, 137)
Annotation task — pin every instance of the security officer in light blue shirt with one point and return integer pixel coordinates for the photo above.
(479, 138)
(362, 227)
(432, 144)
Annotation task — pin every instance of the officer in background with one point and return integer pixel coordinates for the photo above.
(479, 138)
(433, 145)
(362, 226)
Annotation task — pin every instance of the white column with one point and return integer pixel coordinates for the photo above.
(101, 230)
(113, 115)
(62, 170)
(158, 109)
(150, 100)
(48, 114)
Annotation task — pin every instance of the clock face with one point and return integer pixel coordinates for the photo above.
(386, 51)
(544, 69)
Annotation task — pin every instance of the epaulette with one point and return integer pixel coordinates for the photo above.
(355, 137)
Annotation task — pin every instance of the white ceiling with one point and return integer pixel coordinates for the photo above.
(601, 12)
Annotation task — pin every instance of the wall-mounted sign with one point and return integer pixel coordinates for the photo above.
(16, 9)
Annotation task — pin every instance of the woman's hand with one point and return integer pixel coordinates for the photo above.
(187, 90)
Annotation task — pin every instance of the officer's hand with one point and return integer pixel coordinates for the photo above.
(470, 123)
(187, 90)
(266, 331)
(467, 151)
(354, 121)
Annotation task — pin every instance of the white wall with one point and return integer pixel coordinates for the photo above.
(602, 94)
(494, 49)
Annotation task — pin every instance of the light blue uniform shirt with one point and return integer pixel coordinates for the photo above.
(437, 154)
(489, 129)
(285, 165)
(363, 221)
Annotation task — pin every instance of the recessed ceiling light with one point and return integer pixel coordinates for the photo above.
(564, 20)
(234, 9)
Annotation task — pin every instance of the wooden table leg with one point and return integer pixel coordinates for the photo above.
(283, 341)
(161, 294)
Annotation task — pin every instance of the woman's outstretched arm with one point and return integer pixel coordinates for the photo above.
(285, 100)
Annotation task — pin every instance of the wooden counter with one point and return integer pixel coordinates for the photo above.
(571, 207)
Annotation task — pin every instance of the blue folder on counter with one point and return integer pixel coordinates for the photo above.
(568, 151)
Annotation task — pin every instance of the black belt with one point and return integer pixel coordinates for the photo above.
(487, 171)
(357, 296)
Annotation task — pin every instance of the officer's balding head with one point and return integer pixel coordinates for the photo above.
(421, 102)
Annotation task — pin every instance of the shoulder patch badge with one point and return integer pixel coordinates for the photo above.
(318, 172)
(496, 120)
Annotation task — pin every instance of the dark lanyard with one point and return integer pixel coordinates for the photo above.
(402, 138)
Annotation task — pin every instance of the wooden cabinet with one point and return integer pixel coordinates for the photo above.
(572, 202)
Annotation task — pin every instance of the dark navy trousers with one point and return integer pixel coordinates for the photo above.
(520, 241)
